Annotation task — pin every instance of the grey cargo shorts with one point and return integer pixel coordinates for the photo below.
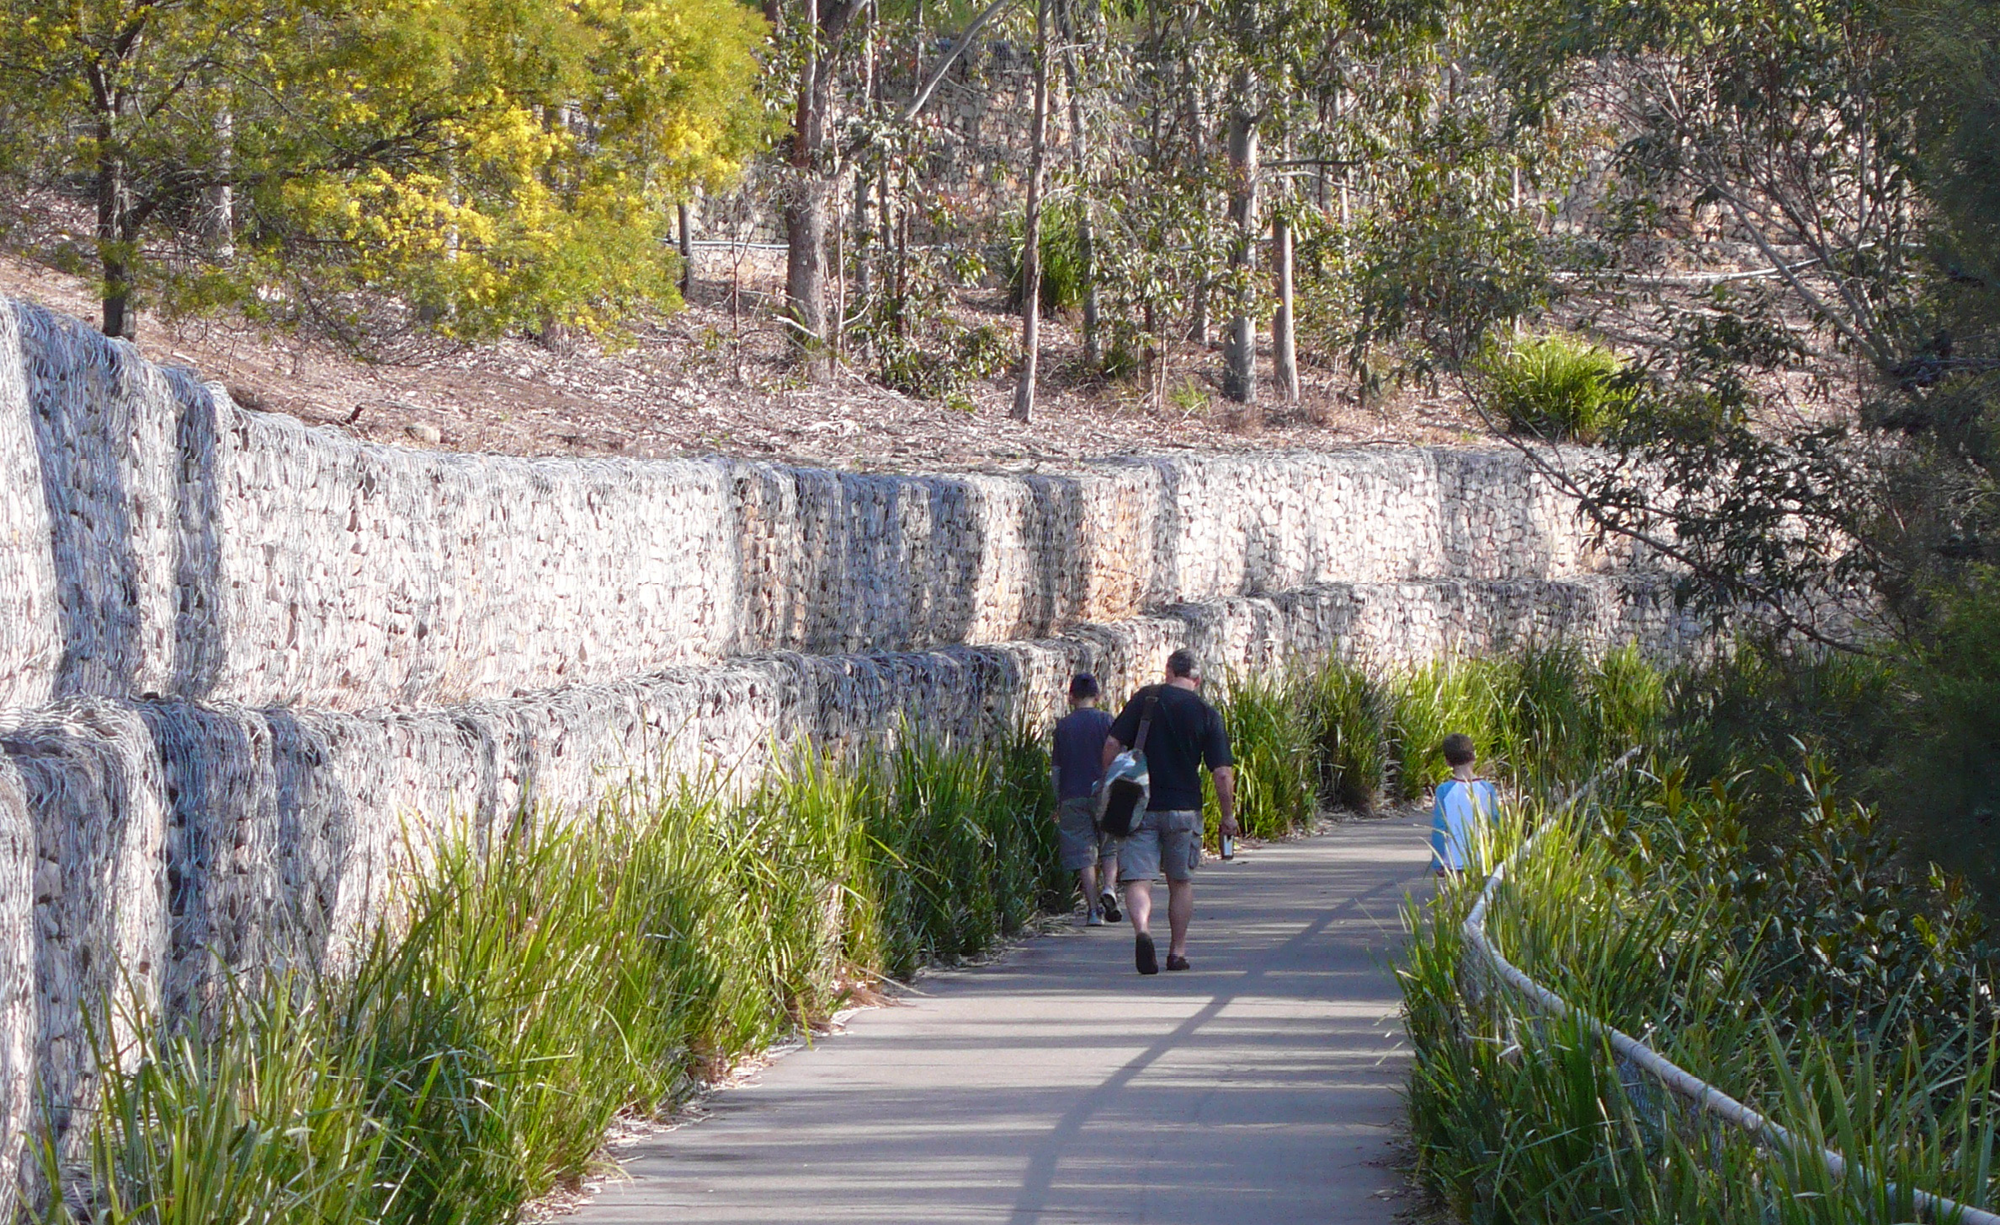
(1077, 839)
(1166, 841)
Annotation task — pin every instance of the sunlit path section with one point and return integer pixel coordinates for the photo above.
(1058, 1086)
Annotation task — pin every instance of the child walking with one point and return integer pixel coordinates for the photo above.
(1077, 760)
(1465, 810)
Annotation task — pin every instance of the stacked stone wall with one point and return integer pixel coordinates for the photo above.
(159, 539)
(250, 672)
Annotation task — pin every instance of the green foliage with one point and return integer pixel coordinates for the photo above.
(918, 344)
(1277, 770)
(556, 975)
(1348, 713)
(482, 166)
(1431, 701)
(944, 363)
(1063, 272)
(1886, 493)
(1940, 782)
(1812, 980)
(1554, 386)
(260, 1118)
(1353, 736)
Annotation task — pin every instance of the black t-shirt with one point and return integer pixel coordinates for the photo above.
(1186, 732)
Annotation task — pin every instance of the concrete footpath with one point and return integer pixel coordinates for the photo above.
(1058, 1086)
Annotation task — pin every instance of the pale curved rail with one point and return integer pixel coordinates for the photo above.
(1704, 1096)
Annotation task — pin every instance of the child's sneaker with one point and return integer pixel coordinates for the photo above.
(1093, 920)
(1108, 903)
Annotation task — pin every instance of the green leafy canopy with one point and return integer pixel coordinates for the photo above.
(483, 163)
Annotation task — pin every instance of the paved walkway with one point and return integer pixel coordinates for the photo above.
(1058, 1086)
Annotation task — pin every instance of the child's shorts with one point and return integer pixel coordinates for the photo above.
(1077, 839)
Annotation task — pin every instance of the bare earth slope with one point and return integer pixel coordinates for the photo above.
(715, 379)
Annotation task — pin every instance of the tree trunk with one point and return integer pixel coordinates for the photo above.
(864, 238)
(864, 233)
(805, 261)
(1284, 332)
(1086, 248)
(219, 220)
(805, 202)
(1199, 326)
(811, 191)
(687, 250)
(114, 207)
(1239, 375)
(1031, 230)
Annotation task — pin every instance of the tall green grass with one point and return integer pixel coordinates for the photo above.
(1276, 751)
(1868, 1027)
(1347, 711)
(544, 979)
(541, 984)
(1555, 386)
(1334, 732)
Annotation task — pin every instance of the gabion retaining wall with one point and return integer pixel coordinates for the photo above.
(169, 839)
(249, 671)
(159, 539)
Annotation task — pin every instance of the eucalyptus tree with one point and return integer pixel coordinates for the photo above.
(1801, 198)
(1262, 57)
(486, 163)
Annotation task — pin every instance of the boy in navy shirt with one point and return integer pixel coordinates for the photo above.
(1077, 764)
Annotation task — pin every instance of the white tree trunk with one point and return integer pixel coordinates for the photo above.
(1284, 332)
(1031, 230)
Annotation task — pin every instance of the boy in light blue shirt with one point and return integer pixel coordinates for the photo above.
(1467, 807)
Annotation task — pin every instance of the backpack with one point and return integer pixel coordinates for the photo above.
(1122, 793)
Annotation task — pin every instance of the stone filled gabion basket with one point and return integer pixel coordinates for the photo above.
(249, 670)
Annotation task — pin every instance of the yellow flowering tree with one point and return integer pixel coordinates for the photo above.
(466, 165)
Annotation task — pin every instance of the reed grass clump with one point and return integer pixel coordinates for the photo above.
(1347, 711)
(1869, 1027)
(545, 979)
(1555, 386)
(1277, 767)
(1335, 732)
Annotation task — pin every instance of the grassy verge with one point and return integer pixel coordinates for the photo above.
(541, 983)
(1815, 980)
(545, 982)
(1335, 732)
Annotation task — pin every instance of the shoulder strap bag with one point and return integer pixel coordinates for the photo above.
(1123, 791)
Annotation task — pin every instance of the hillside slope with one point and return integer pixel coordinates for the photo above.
(715, 381)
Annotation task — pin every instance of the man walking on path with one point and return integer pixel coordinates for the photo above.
(1182, 733)
(1079, 738)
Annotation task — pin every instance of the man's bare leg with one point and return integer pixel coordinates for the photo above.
(1180, 911)
(1139, 905)
(1086, 879)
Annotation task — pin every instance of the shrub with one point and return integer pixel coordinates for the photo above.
(1276, 755)
(1347, 713)
(566, 970)
(941, 362)
(1555, 386)
(1822, 986)
(1063, 271)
